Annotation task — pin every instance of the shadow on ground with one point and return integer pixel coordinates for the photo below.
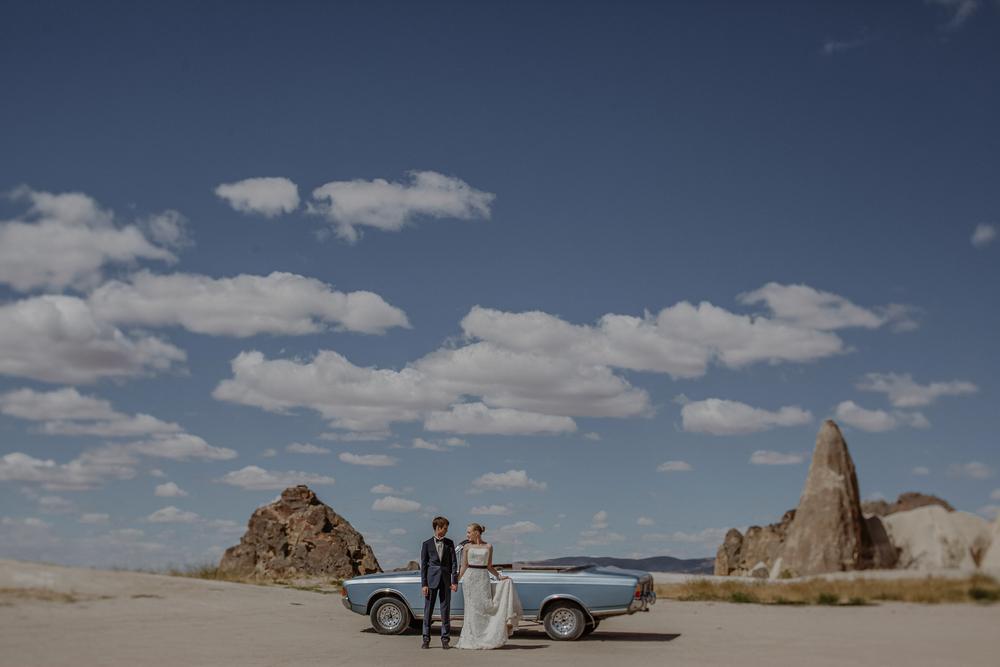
(536, 635)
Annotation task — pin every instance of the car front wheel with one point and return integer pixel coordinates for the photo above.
(564, 622)
(390, 616)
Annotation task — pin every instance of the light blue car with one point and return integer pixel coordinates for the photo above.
(570, 602)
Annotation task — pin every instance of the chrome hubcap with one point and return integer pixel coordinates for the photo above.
(390, 616)
(564, 621)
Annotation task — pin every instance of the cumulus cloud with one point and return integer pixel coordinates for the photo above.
(904, 392)
(169, 490)
(443, 445)
(94, 517)
(490, 510)
(824, 311)
(168, 229)
(305, 448)
(64, 240)
(180, 447)
(674, 466)
(68, 412)
(245, 305)
(983, 235)
(722, 417)
(383, 489)
(389, 206)
(374, 460)
(599, 520)
(254, 478)
(172, 514)
(89, 470)
(394, 504)
(644, 521)
(512, 479)
(766, 457)
(58, 339)
(921, 471)
(878, 421)
(520, 528)
(972, 470)
(267, 196)
(477, 418)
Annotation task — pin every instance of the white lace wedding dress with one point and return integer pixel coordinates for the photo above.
(487, 612)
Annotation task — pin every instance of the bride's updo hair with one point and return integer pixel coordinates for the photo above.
(481, 529)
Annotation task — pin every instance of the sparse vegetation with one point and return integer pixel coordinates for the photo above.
(9, 596)
(211, 571)
(850, 593)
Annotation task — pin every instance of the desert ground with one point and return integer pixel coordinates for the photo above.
(52, 616)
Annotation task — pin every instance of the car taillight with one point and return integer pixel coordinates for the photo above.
(343, 591)
(638, 591)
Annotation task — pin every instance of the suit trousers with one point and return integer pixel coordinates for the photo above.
(442, 592)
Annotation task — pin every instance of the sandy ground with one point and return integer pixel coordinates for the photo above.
(124, 618)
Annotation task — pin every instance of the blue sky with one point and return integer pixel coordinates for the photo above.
(590, 273)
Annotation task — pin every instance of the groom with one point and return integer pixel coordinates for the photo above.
(438, 579)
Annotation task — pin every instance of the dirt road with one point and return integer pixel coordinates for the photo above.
(129, 619)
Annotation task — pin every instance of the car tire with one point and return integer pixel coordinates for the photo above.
(564, 622)
(390, 616)
(590, 627)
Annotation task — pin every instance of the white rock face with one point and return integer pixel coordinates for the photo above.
(931, 538)
(992, 559)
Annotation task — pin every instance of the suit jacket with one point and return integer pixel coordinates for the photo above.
(436, 571)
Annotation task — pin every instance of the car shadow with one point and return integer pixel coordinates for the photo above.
(601, 636)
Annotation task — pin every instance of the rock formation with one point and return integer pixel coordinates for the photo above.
(910, 500)
(829, 533)
(299, 536)
(991, 561)
(755, 553)
(930, 538)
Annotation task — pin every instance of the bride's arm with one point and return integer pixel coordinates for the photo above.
(489, 565)
(465, 562)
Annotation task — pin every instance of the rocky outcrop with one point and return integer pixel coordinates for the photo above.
(931, 538)
(910, 500)
(299, 536)
(991, 561)
(409, 567)
(829, 533)
(755, 553)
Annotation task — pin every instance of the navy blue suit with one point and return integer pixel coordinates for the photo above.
(438, 574)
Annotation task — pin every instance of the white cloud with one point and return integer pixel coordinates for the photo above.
(961, 11)
(89, 470)
(58, 339)
(244, 305)
(477, 418)
(904, 392)
(169, 490)
(394, 504)
(375, 460)
(447, 444)
(722, 417)
(596, 537)
(68, 412)
(254, 478)
(708, 536)
(156, 472)
(168, 229)
(675, 466)
(520, 528)
(490, 510)
(389, 206)
(834, 46)
(171, 514)
(397, 531)
(921, 471)
(55, 505)
(512, 479)
(983, 235)
(94, 517)
(267, 196)
(591, 435)
(305, 448)
(181, 447)
(644, 521)
(972, 470)
(383, 489)
(369, 436)
(824, 311)
(599, 521)
(877, 421)
(64, 240)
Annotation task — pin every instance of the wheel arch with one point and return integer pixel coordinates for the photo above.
(551, 600)
(385, 593)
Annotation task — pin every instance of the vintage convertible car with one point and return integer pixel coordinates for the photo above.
(570, 601)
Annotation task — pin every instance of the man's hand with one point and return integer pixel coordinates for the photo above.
(425, 590)
(454, 588)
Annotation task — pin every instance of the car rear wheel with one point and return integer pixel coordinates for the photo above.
(390, 616)
(564, 621)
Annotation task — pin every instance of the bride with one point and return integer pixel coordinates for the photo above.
(489, 617)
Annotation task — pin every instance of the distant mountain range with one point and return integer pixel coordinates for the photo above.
(653, 564)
